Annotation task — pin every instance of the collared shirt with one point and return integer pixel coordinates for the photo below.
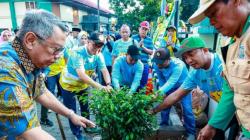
(20, 84)
(226, 108)
(148, 43)
(210, 81)
(124, 74)
(80, 59)
(171, 77)
(121, 47)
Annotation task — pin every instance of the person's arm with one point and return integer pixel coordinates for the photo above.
(171, 100)
(222, 115)
(86, 79)
(174, 77)
(78, 66)
(102, 67)
(48, 100)
(174, 97)
(145, 49)
(116, 74)
(137, 78)
(114, 52)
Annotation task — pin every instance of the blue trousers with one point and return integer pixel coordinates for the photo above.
(189, 119)
(144, 78)
(51, 84)
(69, 101)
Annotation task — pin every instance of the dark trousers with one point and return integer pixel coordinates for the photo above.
(69, 101)
(51, 84)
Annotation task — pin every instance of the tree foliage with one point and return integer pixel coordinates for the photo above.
(132, 12)
(188, 7)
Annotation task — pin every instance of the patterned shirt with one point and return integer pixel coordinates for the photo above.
(20, 84)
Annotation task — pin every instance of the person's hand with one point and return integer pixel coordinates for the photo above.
(81, 121)
(169, 43)
(206, 133)
(196, 97)
(141, 44)
(107, 88)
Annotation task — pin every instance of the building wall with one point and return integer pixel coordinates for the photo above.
(66, 13)
(56, 9)
(5, 15)
(20, 9)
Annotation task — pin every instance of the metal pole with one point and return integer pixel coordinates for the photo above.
(60, 127)
(176, 17)
(98, 11)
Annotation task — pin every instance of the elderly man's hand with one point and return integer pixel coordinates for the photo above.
(81, 121)
(207, 133)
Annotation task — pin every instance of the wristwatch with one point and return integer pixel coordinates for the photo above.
(108, 84)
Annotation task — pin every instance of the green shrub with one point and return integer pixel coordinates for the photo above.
(123, 116)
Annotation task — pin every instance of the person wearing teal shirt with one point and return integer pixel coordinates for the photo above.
(171, 73)
(127, 70)
(76, 76)
(121, 46)
(222, 15)
(205, 73)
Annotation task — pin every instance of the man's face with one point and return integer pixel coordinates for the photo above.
(164, 65)
(94, 48)
(143, 32)
(45, 52)
(194, 58)
(131, 60)
(75, 34)
(125, 33)
(84, 40)
(222, 16)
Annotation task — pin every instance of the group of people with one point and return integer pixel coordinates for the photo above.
(44, 55)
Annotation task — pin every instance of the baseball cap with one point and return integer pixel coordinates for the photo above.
(161, 55)
(145, 24)
(189, 44)
(134, 52)
(98, 38)
(76, 29)
(171, 27)
(199, 13)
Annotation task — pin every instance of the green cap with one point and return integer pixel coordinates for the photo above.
(189, 44)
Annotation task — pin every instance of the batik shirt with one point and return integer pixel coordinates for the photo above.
(20, 84)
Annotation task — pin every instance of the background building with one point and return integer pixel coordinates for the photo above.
(80, 13)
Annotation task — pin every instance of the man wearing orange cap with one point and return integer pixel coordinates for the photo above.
(231, 18)
(146, 46)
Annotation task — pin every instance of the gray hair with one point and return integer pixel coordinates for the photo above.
(125, 26)
(41, 23)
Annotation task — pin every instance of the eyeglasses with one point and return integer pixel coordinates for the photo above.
(6, 35)
(55, 50)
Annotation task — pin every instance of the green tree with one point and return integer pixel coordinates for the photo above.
(187, 8)
(132, 12)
